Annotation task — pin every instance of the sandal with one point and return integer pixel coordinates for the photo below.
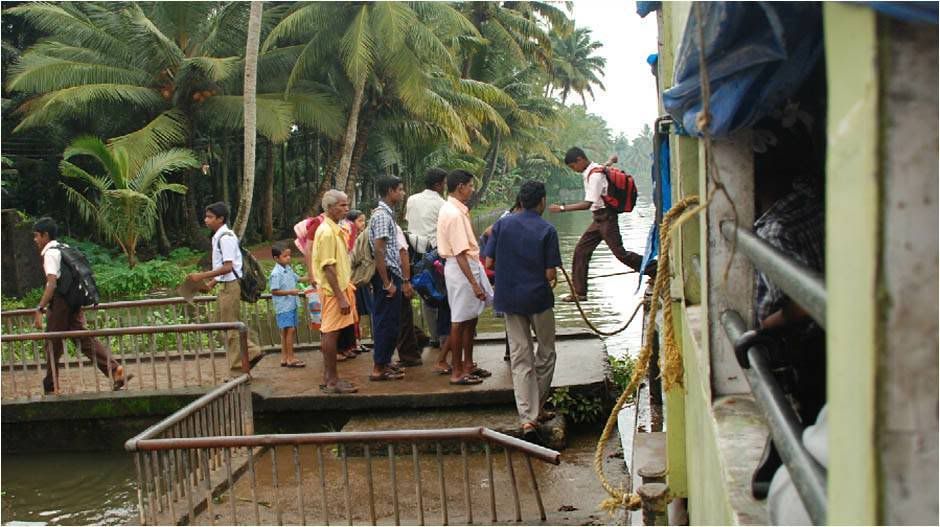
(480, 372)
(467, 380)
(571, 298)
(340, 387)
(545, 416)
(387, 375)
(296, 363)
(531, 433)
(443, 371)
(349, 354)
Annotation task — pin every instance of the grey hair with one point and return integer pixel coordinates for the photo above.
(331, 197)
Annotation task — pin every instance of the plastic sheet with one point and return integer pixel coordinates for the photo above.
(757, 55)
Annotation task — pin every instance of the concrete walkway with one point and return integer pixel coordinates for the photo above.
(581, 365)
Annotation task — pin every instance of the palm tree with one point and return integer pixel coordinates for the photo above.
(251, 123)
(575, 67)
(394, 49)
(122, 201)
(162, 70)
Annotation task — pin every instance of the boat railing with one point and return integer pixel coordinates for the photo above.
(806, 288)
(161, 357)
(195, 461)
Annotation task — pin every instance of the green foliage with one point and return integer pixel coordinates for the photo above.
(96, 254)
(29, 300)
(184, 255)
(116, 280)
(578, 408)
(621, 370)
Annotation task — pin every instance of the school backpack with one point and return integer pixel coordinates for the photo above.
(252, 280)
(362, 260)
(427, 281)
(621, 189)
(77, 282)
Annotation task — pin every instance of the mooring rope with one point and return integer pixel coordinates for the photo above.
(587, 321)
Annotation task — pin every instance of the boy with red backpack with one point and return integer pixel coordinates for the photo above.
(608, 191)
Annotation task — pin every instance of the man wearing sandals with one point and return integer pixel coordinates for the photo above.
(524, 250)
(62, 317)
(468, 289)
(337, 294)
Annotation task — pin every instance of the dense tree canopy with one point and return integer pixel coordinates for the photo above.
(346, 92)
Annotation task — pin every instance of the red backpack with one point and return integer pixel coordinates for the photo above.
(621, 189)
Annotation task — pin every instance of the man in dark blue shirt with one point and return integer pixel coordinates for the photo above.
(523, 249)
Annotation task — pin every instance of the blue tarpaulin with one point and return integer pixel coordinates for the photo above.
(757, 55)
(662, 196)
(925, 12)
(645, 8)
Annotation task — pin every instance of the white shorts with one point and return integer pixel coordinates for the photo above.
(464, 305)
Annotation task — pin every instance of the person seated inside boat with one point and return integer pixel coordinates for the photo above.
(790, 212)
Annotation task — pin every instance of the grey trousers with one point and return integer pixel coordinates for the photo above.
(532, 369)
(430, 320)
(229, 299)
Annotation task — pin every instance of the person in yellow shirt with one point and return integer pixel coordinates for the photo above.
(337, 293)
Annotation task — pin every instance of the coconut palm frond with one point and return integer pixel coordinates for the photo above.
(54, 19)
(156, 167)
(77, 100)
(85, 207)
(169, 129)
(357, 47)
(39, 73)
(321, 111)
(227, 112)
(96, 149)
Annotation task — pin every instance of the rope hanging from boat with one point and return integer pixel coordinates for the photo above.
(672, 360)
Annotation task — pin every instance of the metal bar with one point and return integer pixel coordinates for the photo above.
(442, 483)
(182, 358)
(140, 370)
(466, 481)
(140, 494)
(809, 477)
(342, 452)
(515, 489)
(187, 461)
(419, 497)
(168, 476)
(45, 346)
(323, 498)
(254, 486)
(391, 468)
(369, 483)
(489, 469)
(137, 330)
(169, 374)
(805, 286)
(195, 344)
(208, 480)
(55, 366)
(231, 484)
(535, 487)
(151, 491)
(277, 497)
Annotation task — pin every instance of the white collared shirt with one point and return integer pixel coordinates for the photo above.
(51, 260)
(421, 212)
(595, 186)
(225, 249)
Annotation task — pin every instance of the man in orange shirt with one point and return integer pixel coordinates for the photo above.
(468, 290)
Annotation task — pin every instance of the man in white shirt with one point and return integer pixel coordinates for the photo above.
(226, 264)
(604, 227)
(421, 212)
(63, 317)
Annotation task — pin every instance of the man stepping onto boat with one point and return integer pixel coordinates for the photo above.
(523, 249)
(603, 227)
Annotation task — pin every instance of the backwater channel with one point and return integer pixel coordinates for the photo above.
(74, 488)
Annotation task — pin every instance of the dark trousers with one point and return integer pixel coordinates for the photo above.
(407, 341)
(386, 320)
(61, 317)
(604, 227)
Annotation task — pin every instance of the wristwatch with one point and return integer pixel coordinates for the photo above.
(562, 207)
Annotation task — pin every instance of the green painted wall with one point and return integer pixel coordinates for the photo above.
(852, 256)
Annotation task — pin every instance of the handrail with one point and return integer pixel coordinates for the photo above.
(158, 428)
(132, 303)
(808, 476)
(133, 330)
(329, 438)
(804, 285)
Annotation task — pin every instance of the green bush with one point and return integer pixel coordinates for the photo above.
(117, 281)
(621, 370)
(578, 408)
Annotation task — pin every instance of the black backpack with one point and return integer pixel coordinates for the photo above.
(252, 281)
(77, 281)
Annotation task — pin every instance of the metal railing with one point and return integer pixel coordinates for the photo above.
(193, 462)
(259, 317)
(802, 284)
(808, 476)
(159, 357)
(807, 288)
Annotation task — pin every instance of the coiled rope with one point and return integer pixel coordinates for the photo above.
(584, 317)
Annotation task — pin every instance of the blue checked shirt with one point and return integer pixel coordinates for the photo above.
(382, 225)
(796, 225)
(283, 278)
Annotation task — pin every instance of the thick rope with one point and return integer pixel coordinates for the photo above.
(672, 363)
(584, 317)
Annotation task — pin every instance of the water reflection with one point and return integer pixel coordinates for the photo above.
(611, 300)
(68, 488)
